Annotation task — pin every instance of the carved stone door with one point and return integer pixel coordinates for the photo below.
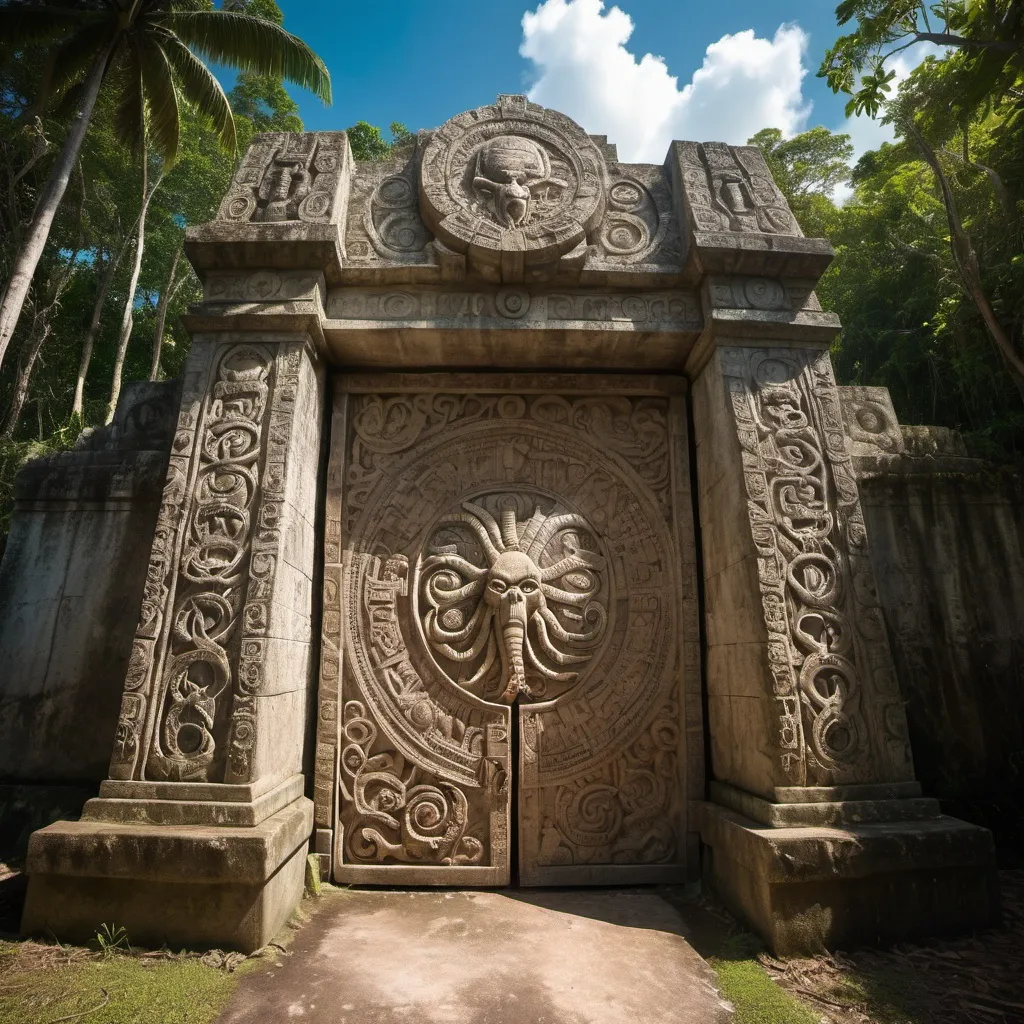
(512, 566)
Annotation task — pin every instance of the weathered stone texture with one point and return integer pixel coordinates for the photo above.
(948, 551)
(516, 530)
(70, 585)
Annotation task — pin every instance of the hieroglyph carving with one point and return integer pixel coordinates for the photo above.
(730, 188)
(512, 178)
(287, 176)
(840, 715)
(677, 310)
(196, 583)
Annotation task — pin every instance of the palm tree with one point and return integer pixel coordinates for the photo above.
(149, 51)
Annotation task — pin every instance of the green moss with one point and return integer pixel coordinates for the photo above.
(747, 985)
(139, 990)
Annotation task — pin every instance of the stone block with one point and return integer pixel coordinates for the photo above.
(805, 889)
(183, 886)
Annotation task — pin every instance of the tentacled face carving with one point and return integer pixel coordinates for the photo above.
(510, 169)
(508, 606)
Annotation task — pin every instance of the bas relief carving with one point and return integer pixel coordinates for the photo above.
(840, 714)
(512, 178)
(730, 188)
(197, 661)
(506, 549)
(871, 422)
(510, 603)
(288, 176)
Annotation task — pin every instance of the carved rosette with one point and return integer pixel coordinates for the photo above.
(512, 184)
(839, 710)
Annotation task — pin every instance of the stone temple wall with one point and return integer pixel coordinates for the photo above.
(502, 548)
(70, 586)
(947, 544)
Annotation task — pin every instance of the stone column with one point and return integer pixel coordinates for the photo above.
(200, 834)
(816, 833)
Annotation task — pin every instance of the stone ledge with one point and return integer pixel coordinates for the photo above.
(842, 812)
(198, 854)
(290, 245)
(200, 886)
(165, 807)
(805, 889)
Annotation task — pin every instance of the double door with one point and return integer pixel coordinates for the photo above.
(510, 581)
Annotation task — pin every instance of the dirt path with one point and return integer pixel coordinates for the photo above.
(544, 957)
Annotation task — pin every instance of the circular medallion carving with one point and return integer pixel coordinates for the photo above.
(513, 177)
(513, 596)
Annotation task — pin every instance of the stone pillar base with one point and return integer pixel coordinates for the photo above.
(197, 885)
(812, 887)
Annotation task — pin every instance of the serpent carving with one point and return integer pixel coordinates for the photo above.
(511, 605)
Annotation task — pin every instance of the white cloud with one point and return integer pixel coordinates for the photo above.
(585, 70)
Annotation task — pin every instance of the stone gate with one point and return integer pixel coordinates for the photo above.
(510, 535)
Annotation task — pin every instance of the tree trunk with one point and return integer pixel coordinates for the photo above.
(78, 406)
(966, 260)
(21, 383)
(161, 314)
(129, 302)
(27, 259)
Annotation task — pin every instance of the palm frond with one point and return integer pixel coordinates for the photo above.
(76, 55)
(200, 88)
(23, 22)
(129, 115)
(250, 44)
(161, 96)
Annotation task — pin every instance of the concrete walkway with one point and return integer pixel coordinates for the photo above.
(513, 957)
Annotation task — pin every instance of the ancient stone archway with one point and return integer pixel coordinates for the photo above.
(518, 341)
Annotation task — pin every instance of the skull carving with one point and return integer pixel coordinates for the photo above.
(511, 605)
(510, 172)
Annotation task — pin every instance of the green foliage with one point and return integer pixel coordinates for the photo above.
(368, 142)
(150, 55)
(113, 938)
(96, 219)
(986, 35)
(117, 989)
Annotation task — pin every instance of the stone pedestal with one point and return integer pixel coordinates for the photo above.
(200, 833)
(816, 834)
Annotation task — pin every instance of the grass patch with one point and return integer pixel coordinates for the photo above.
(41, 984)
(750, 989)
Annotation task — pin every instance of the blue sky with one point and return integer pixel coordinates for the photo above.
(420, 62)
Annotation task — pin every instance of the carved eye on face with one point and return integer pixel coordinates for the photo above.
(528, 586)
(498, 586)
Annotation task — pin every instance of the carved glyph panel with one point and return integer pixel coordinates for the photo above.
(840, 715)
(288, 176)
(730, 188)
(872, 426)
(499, 549)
